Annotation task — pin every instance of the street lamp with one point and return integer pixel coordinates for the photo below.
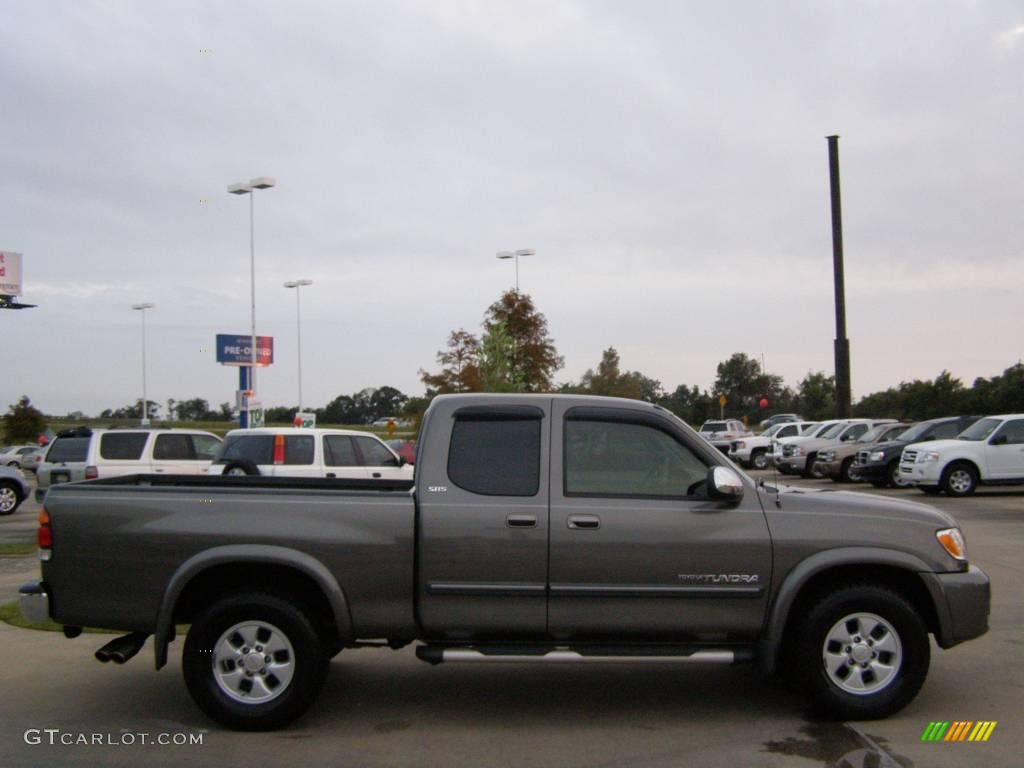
(263, 182)
(145, 403)
(297, 285)
(515, 255)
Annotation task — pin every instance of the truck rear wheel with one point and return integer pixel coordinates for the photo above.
(862, 653)
(253, 662)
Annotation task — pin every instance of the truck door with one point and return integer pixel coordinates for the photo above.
(636, 547)
(482, 489)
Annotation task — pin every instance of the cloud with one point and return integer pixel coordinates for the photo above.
(1011, 37)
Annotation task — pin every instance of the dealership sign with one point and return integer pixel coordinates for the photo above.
(237, 350)
(10, 273)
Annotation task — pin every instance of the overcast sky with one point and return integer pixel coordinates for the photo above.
(666, 160)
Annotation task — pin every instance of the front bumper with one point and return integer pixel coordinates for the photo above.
(791, 463)
(925, 473)
(34, 602)
(962, 603)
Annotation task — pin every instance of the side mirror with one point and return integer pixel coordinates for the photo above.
(402, 462)
(724, 483)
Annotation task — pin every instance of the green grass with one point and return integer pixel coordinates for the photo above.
(11, 613)
(20, 548)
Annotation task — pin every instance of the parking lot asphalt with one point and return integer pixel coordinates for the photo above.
(386, 708)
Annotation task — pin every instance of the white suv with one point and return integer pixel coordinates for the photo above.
(989, 452)
(295, 452)
(86, 454)
(755, 452)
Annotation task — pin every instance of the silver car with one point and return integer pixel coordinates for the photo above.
(13, 490)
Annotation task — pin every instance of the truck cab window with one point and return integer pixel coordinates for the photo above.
(604, 458)
(499, 457)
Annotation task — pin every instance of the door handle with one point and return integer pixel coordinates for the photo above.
(589, 522)
(331, 474)
(521, 521)
(376, 474)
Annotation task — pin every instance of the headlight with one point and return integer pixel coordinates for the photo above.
(953, 542)
(798, 451)
(740, 445)
(876, 455)
(827, 456)
(925, 456)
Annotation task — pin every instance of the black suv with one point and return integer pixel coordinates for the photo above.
(880, 464)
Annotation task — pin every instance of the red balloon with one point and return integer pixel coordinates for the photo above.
(764, 402)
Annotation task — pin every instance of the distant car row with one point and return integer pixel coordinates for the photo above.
(953, 455)
(86, 454)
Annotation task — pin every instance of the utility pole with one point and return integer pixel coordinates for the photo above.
(842, 344)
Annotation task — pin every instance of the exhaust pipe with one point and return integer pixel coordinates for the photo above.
(122, 648)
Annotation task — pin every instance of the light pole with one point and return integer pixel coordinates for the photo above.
(263, 182)
(515, 255)
(297, 285)
(145, 403)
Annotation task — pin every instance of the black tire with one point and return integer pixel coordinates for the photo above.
(844, 472)
(808, 472)
(893, 473)
(241, 467)
(931, 490)
(10, 497)
(959, 479)
(759, 459)
(206, 645)
(893, 675)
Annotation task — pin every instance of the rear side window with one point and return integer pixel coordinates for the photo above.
(259, 449)
(298, 449)
(375, 454)
(945, 431)
(338, 451)
(173, 448)
(122, 446)
(499, 457)
(68, 449)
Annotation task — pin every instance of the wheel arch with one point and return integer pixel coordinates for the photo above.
(824, 572)
(216, 572)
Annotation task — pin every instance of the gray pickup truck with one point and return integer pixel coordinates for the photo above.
(541, 529)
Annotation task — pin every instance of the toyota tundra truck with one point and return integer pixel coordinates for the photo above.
(538, 529)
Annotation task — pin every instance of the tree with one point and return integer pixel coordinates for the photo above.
(23, 422)
(498, 372)
(196, 409)
(386, 401)
(460, 370)
(534, 358)
(690, 404)
(609, 381)
(743, 383)
(227, 412)
(133, 411)
(816, 395)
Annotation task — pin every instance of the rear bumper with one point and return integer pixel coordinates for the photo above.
(34, 602)
(962, 602)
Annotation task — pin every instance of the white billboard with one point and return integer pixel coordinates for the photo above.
(10, 273)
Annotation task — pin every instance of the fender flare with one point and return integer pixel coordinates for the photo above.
(770, 642)
(240, 554)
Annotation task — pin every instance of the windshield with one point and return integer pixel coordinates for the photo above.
(821, 430)
(715, 426)
(915, 432)
(872, 434)
(772, 429)
(832, 431)
(980, 430)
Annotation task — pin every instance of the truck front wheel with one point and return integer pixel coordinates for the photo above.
(862, 653)
(959, 479)
(759, 459)
(253, 662)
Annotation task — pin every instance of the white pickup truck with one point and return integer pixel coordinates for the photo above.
(989, 452)
(755, 452)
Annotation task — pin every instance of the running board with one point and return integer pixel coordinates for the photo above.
(438, 654)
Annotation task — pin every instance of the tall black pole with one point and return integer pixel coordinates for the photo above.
(842, 344)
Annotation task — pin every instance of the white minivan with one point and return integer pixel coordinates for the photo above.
(296, 452)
